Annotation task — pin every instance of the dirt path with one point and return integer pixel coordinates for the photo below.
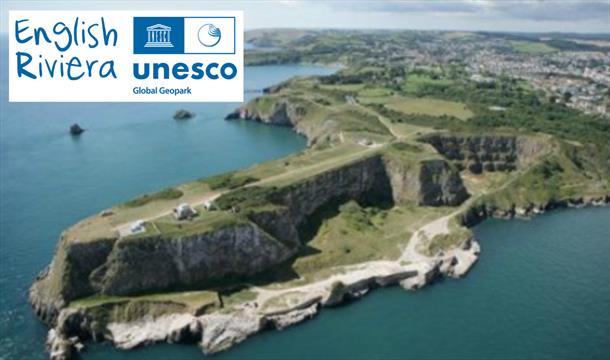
(428, 231)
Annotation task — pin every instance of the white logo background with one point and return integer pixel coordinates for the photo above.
(226, 45)
(57, 89)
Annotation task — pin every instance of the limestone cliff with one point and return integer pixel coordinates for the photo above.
(273, 111)
(373, 180)
(362, 180)
(431, 182)
(66, 277)
(281, 110)
(184, 262)
(144, 264)
(260, 237)
(478, 153)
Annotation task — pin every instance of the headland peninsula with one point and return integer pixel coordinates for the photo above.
(415, 139)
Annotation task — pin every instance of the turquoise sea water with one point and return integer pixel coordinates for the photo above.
(540, 290)
(49, 180)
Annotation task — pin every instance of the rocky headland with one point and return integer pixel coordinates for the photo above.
(98, 287)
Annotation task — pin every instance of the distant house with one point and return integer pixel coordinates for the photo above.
(137, 226)
(497, 108)
(365, 142)
(184, 211)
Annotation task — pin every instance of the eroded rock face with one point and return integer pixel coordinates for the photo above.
(221, 331)
(67, 277)
(281, 112)
(185, 261)
(440, 184)
(477, 213)
(370, 180)
(478, 153)
(430, 182)
(115, 267)
(362, 180)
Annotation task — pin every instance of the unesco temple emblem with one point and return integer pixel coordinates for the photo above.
(159, 36)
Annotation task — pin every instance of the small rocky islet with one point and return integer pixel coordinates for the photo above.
(76, 130)
(183, 114)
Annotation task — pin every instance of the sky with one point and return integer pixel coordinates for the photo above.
(582, 16)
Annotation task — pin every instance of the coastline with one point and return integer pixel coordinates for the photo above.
(217, 332)
(221, 330)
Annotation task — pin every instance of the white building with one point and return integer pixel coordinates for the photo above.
(184, 211)
(137, 226)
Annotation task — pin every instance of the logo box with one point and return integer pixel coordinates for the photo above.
(118, 59)
(184, 35)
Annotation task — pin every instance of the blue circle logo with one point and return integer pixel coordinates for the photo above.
(209, 35)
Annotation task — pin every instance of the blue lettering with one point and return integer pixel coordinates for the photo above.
(74, 62)
(223, 71)
(108, 33)
(180, 71)
(197, 71)
(208, 70)
(92, 36)
(158, 66)
(109, 71)
(51, 69)
(38, 32)
(137, 74)
(64, 29)
(21, 65)
(90, 66)
(19, 31)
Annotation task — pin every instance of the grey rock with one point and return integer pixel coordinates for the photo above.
(76, 130)
(183, 114)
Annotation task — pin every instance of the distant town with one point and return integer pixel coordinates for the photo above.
(569, 69)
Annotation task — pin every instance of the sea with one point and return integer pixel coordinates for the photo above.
(541, 289)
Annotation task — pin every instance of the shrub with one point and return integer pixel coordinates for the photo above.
(229, 181)
(165, 194)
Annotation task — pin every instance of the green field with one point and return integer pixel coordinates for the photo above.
(344, 87)
(425, 106)
(415, 82)
(530, 47)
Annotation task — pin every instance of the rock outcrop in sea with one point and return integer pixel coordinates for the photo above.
(76, 130)
(183, 114)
